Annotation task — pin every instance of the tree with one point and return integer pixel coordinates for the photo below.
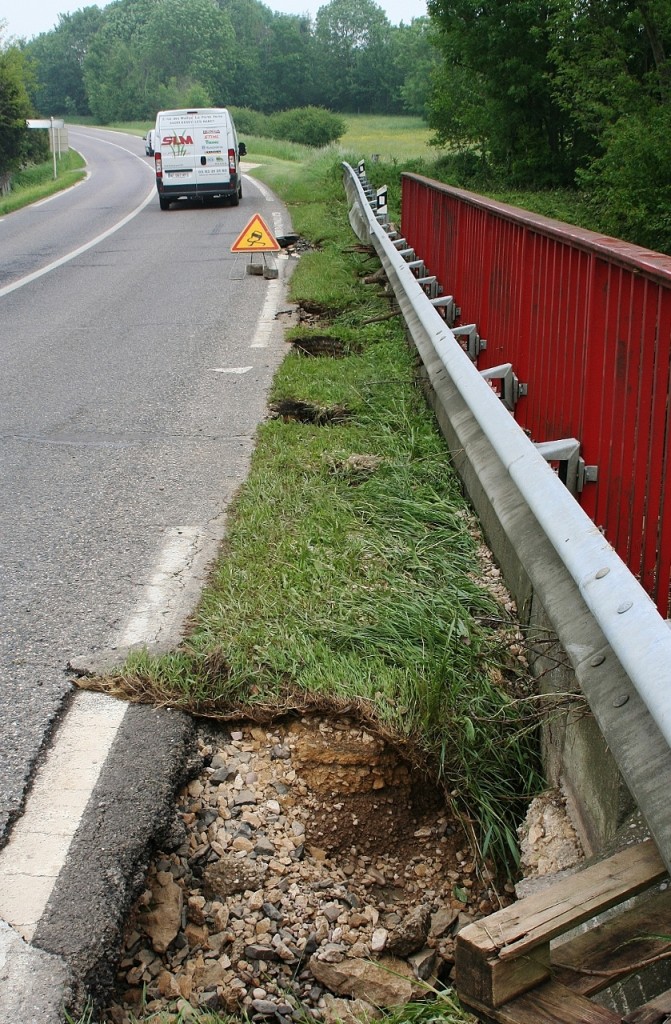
(288, 60)
(496, 54)
(628, 187)
(417, 60)
(600, 63)
(59, 58)
(245, 82)
(613, 77)
(190, 41)
(120, 81)
(16, 142)
(353, 43)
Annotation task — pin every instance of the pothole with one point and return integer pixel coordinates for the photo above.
(309, 870)
(309, 311)
(293, 410)
(325, 345)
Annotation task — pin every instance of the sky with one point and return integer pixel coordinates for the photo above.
(27, 18)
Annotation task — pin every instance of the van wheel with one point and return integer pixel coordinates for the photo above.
(163, 203)
(235, 199)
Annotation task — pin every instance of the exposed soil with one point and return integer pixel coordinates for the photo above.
(305, 854)
(324, 345)
(292, 410)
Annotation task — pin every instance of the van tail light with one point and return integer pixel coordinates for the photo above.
(158, 163)
(231, 161)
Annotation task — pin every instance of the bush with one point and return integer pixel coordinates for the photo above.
(250, 122)
(308, 126)
(628, 188)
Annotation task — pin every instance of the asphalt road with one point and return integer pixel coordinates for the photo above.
(130, 390)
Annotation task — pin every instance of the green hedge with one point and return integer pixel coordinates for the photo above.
(307, 126)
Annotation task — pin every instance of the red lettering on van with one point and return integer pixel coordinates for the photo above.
(177, 140)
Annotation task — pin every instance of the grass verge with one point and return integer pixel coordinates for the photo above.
(38, 182)
(350, 576)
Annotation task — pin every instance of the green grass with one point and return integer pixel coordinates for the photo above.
(38, 182)
(401, 628)
(349, 573)
(348, 581)
(444, 1010)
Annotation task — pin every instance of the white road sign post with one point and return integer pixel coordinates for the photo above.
(52, 123)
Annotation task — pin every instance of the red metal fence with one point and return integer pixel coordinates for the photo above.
(585, 321)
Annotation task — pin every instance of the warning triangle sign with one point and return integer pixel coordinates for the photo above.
(256, 237)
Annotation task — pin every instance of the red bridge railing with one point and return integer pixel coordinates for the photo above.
(585, 321)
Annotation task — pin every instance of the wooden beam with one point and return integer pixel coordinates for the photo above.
(593, 961)
(550, 1003)
(493, 982)
(501, 956)
(655, 1012)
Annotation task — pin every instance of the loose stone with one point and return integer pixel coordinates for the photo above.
(294, 873)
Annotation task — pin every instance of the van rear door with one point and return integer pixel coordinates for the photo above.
(195, 152)
(178, 151)
(212, 162)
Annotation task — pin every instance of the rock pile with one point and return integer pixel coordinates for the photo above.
(308, 874)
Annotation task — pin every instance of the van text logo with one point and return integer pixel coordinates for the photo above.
(177, 140)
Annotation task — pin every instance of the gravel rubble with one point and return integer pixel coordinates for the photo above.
(309, 874)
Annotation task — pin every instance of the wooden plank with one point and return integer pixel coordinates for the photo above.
(550, 1003)
(655, 1012)
(590, 962)
(535, 920)
(494, 982)
(501, 956)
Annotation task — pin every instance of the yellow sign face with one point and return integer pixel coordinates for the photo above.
(256, 237)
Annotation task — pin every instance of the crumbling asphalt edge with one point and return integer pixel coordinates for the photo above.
(130, 813)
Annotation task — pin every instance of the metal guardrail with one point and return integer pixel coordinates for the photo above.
(618, 644)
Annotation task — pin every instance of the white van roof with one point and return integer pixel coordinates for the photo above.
(193, 112)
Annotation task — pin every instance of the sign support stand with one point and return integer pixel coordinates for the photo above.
(257, 237)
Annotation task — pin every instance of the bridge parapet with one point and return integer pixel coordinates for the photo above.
(571, 586)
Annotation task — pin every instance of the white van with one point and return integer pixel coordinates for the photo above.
(197, 156)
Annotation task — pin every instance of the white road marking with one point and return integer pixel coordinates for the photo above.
(167, 582)
(77, 252)
(232, 369)
(265, 192)
(266, 323)
(35, 854)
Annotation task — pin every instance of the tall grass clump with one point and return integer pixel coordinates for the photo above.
(350, 578)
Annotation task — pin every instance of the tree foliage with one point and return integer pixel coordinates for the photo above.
(535, 94)
(18, 143)
(123, 60)
(495, 87)
(564, 92)
(59, 55)
(353, 45)
(194, 41)
(417, 59)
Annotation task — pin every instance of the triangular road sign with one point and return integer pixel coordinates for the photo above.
(256, 237)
